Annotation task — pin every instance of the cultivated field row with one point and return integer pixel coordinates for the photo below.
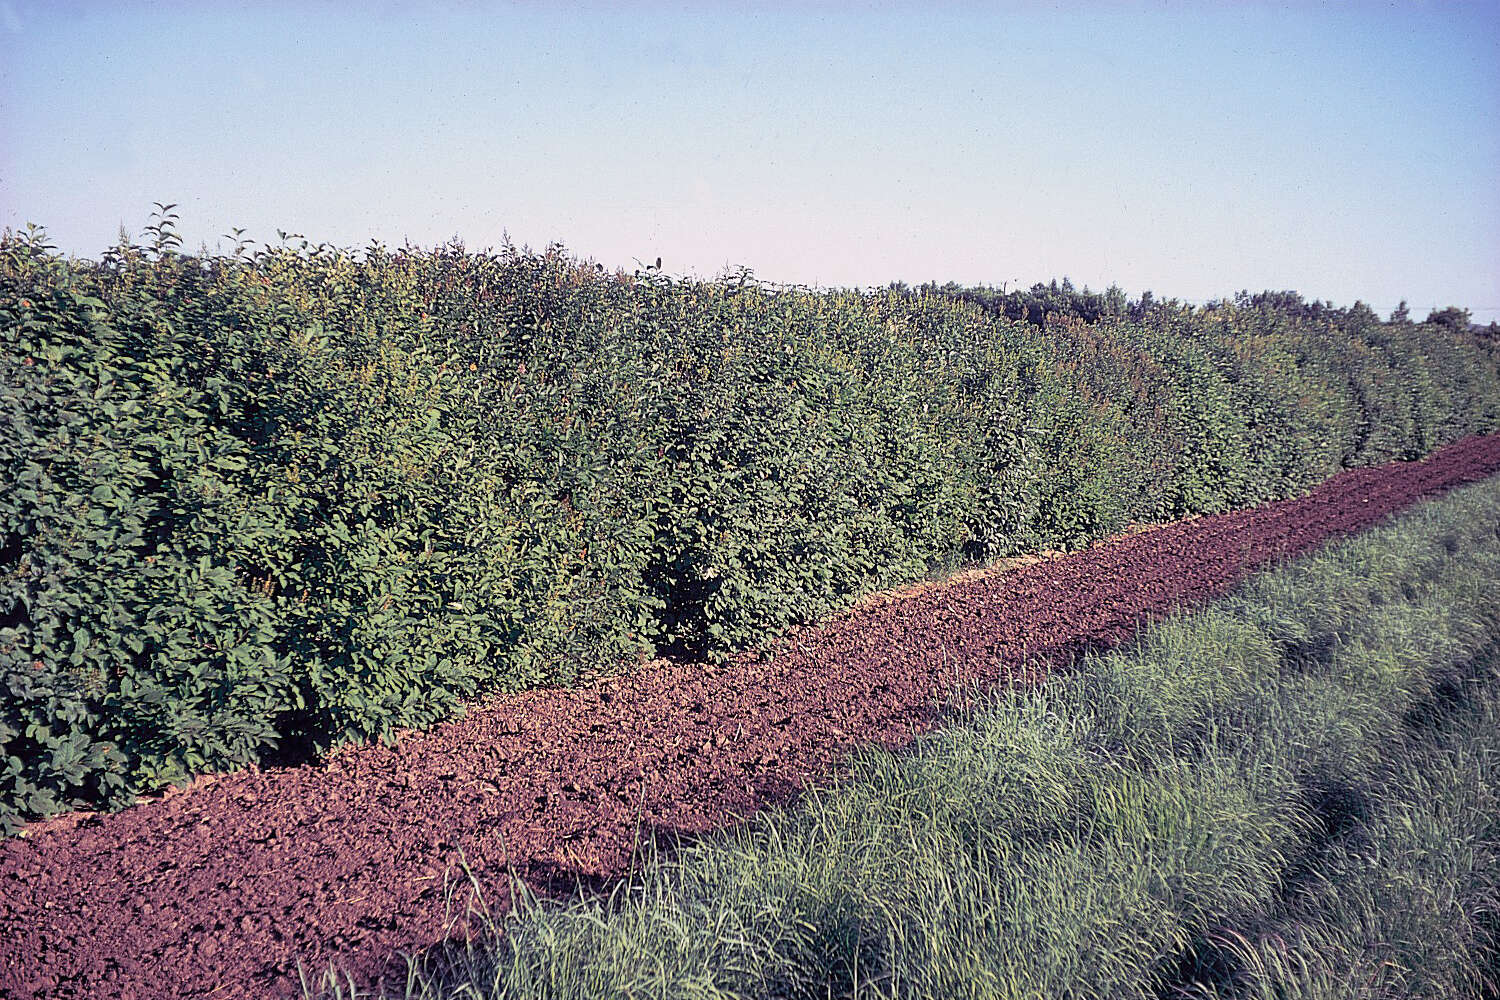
(222, 891)
(1291, 793)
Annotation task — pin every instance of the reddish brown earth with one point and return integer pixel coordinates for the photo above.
(219, 891)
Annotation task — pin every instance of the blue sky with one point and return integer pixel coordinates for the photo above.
(1347, 151)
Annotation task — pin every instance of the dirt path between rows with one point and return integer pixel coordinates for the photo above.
(221, 891)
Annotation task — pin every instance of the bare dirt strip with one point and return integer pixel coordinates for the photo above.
(221, 890)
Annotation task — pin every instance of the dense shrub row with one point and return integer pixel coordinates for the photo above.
(286, 498)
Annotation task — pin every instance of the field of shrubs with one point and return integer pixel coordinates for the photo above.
(262, 503)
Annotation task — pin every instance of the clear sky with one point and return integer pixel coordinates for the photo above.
(1347, 151)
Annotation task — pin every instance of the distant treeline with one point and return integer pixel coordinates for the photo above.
(1044, 303)
(265, 502)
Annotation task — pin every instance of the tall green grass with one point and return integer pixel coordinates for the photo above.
(1403, 903)
(1268, 797)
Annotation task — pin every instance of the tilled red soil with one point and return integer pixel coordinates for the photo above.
(221, 890)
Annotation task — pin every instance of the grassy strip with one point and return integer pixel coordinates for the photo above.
(1088, 838)
(1403, 898)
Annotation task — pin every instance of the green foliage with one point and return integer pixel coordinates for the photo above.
(262, 503)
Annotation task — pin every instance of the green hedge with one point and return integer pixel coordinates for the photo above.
(264, 503)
